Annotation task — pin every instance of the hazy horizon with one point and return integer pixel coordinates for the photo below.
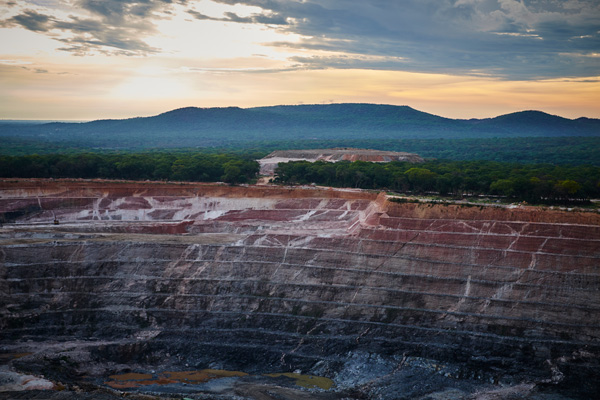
(8, 120)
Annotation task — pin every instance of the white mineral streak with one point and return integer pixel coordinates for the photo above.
(177, 209)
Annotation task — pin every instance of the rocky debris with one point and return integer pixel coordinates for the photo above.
(388, 300)
(14, 381)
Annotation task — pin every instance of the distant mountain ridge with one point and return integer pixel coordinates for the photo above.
(204, 127)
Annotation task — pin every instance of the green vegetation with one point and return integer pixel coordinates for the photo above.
(529, 150)
(141, 166)
(534, 183)
(554, 150)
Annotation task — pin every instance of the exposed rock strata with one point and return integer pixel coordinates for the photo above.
(264, 279)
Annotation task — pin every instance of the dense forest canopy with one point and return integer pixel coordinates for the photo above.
(136, 166)
(535, 183)
(553, 150)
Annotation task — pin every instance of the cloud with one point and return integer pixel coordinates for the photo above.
(131, 13)
(513, 39)
(350, 62)
(32, 21)
(14, 62)
(22, 65)
(509, 39)
(274, 19)
(110, 26)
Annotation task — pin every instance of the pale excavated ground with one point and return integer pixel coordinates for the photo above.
(270, 162)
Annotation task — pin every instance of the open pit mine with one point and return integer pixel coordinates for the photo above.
(230, 292)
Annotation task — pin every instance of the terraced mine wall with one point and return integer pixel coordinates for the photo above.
(105, 277)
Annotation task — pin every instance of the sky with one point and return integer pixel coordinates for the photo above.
(94, 59)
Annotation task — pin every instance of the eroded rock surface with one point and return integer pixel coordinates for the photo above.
(387, 300)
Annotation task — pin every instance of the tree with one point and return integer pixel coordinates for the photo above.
(567, 189)
(421, 179)
(503, 187)
(233, 173)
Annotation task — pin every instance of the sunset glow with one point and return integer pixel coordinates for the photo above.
(84, 59)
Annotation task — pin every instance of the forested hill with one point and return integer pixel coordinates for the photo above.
(204, 127)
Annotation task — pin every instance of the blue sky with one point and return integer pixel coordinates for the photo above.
(90, 59)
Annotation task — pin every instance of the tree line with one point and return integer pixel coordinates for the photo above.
(228, 168)
(530, 150)
(534, 183)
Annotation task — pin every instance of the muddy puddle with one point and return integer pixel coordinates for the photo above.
(208, 379)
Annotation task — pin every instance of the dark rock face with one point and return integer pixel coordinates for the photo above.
(342, 284)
